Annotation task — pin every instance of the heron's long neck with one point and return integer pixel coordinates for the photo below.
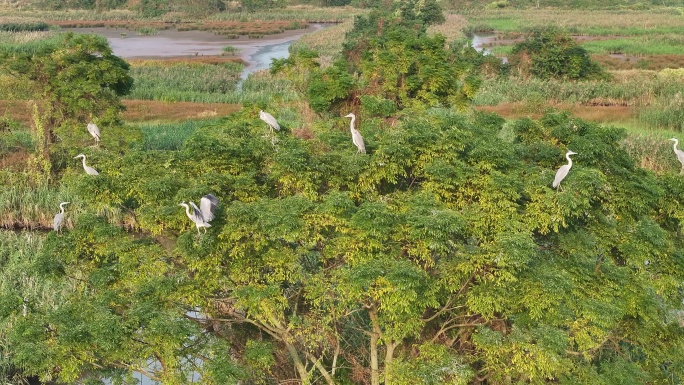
(675, 145)
(567, 156)
(351, 125)
(61, 209)
(187, 209)
(83, 160)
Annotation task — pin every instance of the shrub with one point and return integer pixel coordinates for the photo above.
(552, 53)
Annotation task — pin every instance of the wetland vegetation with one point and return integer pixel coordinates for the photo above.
(441, 256)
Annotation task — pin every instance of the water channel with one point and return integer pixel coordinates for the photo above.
(257, 53)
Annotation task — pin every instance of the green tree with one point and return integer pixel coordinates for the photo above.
(75, 79)
(552, 53)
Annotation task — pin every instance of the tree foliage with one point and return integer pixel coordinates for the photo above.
(552, 53)
(441, 256)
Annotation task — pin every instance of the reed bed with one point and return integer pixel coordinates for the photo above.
(184, 81)
(668, 44)
(26, 207)
(452, 29)
(327, 41)
(304, 13)
(590, 22)
(204, 83)
(629, 88)
(652, 151)
(169, 136)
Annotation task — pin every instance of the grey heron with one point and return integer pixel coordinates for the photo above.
(564, 170)
(357, 139)
(270, 120)
(203, 214)
(59, 217)
(679, 153)
(95, 132)
(89, 170)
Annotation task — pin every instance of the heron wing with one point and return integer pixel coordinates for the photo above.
(680, 156)
(560, 175)
(208, 205)
(91, 171)
(94, 130)
(357, 139)
(57, 222)
(268, 118)
(196, 214)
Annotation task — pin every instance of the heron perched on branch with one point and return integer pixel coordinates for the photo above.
(95, 132)
(357, 139)
(59, 217)
(679, 153)
(203, 214)
(270, 120)
(89, 170)
(564, 170)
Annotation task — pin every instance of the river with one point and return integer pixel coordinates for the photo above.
(257, 53)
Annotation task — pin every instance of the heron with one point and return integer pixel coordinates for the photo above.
(203, 214)
(270, 120)
(679, 153)
(357, 139)
(89, 170)
(564, 170)
(59, 217)
(95, 132)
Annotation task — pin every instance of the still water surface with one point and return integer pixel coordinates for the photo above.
(257, 53)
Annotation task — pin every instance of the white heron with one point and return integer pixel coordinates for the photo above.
(270, 120)
(357, 139)
(564, 170)
(203, 214)
(679, 153)
(89, 170)
(95, 132)
(59, 217)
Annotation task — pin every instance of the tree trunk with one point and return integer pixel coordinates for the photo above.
(389, 356)
(299, 365)
(374, 340)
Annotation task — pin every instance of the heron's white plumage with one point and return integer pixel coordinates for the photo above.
(59, 218)
(94, 131)
(269, 119)
(679, 153)
(89, 170)
(202, 215)
(357, 139)
(564, 170)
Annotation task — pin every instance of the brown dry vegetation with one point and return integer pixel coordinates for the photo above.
(170, 61)
(648, 62)
(136, 110)
(598, 114)
(150, 110)
(236, 28)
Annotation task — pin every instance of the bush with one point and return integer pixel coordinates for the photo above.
(552, 53)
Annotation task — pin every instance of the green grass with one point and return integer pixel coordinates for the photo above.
(639, 45)
(185, 81)
(24, 206)
(169, 136)
(206, 83)
(147, 31)
(630, 88)
(230, 50)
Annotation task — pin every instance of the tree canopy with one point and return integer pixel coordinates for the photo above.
(442, 256)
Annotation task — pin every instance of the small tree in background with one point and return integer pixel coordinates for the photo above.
(552, 53)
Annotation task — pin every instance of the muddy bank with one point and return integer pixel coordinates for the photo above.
(173, 43)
